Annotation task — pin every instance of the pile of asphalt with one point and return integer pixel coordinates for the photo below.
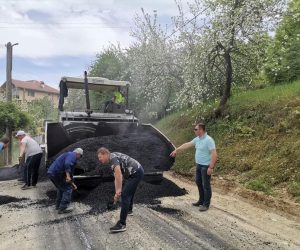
(147, 194)
(6, 199)
(150, 150)
(9, 172)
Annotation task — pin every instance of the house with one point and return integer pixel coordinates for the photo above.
(27, 91)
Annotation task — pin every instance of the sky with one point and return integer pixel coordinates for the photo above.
(62, 37)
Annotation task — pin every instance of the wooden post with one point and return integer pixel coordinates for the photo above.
(9, 47)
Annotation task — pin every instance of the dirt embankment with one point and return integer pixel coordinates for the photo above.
(228, 185)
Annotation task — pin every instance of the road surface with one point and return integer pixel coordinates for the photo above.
(28, 220)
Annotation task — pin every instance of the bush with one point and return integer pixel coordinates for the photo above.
(259, 185)
(11, 116)
(294, 189)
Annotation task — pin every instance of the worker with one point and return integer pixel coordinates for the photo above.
(33, 153)
(206, 157)
(131, 170)
(119, 98)
(108, 106)
(3, 143)
(60, 173)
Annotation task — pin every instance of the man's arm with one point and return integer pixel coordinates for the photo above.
(68, 164)
(68, 177)
(118, 182)
(181, 148)
(213, 154)
(22, 149)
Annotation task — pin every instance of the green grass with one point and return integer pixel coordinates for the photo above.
(266, 95)
(258, 138)
(294, 189)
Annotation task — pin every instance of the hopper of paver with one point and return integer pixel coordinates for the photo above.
(118, 130)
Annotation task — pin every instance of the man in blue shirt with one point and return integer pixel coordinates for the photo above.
(3, 143)
(205, 157)
(60, 173)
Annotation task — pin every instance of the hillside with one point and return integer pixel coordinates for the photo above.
(258, 139)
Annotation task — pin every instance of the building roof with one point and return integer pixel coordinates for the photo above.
(34, 85)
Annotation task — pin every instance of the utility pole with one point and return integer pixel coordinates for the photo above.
(9, 47)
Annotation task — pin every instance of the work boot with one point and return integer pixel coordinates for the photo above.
(64, 210)
(25, 187)
(203, 208)
(196, 204)
(119, 227)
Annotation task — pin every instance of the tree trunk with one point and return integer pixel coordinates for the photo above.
(227, 86)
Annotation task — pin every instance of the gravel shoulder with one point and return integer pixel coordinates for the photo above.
(28, 221)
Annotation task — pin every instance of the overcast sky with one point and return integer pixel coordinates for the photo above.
(62, 37)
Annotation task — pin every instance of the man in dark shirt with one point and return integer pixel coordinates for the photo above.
(108, 106)
(60, 173)
(128, 168)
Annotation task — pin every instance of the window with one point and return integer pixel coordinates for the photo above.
(15, 93)
(30, 92)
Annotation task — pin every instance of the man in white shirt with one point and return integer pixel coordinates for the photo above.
(33, 155)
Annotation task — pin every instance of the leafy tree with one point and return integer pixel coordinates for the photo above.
(230, 26)
(75, 100)
(110, 63)
(42, 109)
(154, 65)
(283, 62)
(11, 116)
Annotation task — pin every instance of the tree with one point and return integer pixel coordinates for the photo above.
(110, 63)
(42, 109)
(283, 61)
(228, 30)
(11, 116)
(154, 66)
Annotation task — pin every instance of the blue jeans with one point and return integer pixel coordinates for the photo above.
(64, 191)
(203, 183)
(128, 193)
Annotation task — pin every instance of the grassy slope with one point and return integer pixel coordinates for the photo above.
(258, 139)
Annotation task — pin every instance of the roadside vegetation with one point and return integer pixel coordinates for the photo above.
(258, 137)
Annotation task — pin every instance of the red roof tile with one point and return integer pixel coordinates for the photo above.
(35, 85)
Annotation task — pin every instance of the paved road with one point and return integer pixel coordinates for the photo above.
(28, 221)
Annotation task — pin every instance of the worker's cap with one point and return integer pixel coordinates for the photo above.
(78, 151)
(20, 132)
